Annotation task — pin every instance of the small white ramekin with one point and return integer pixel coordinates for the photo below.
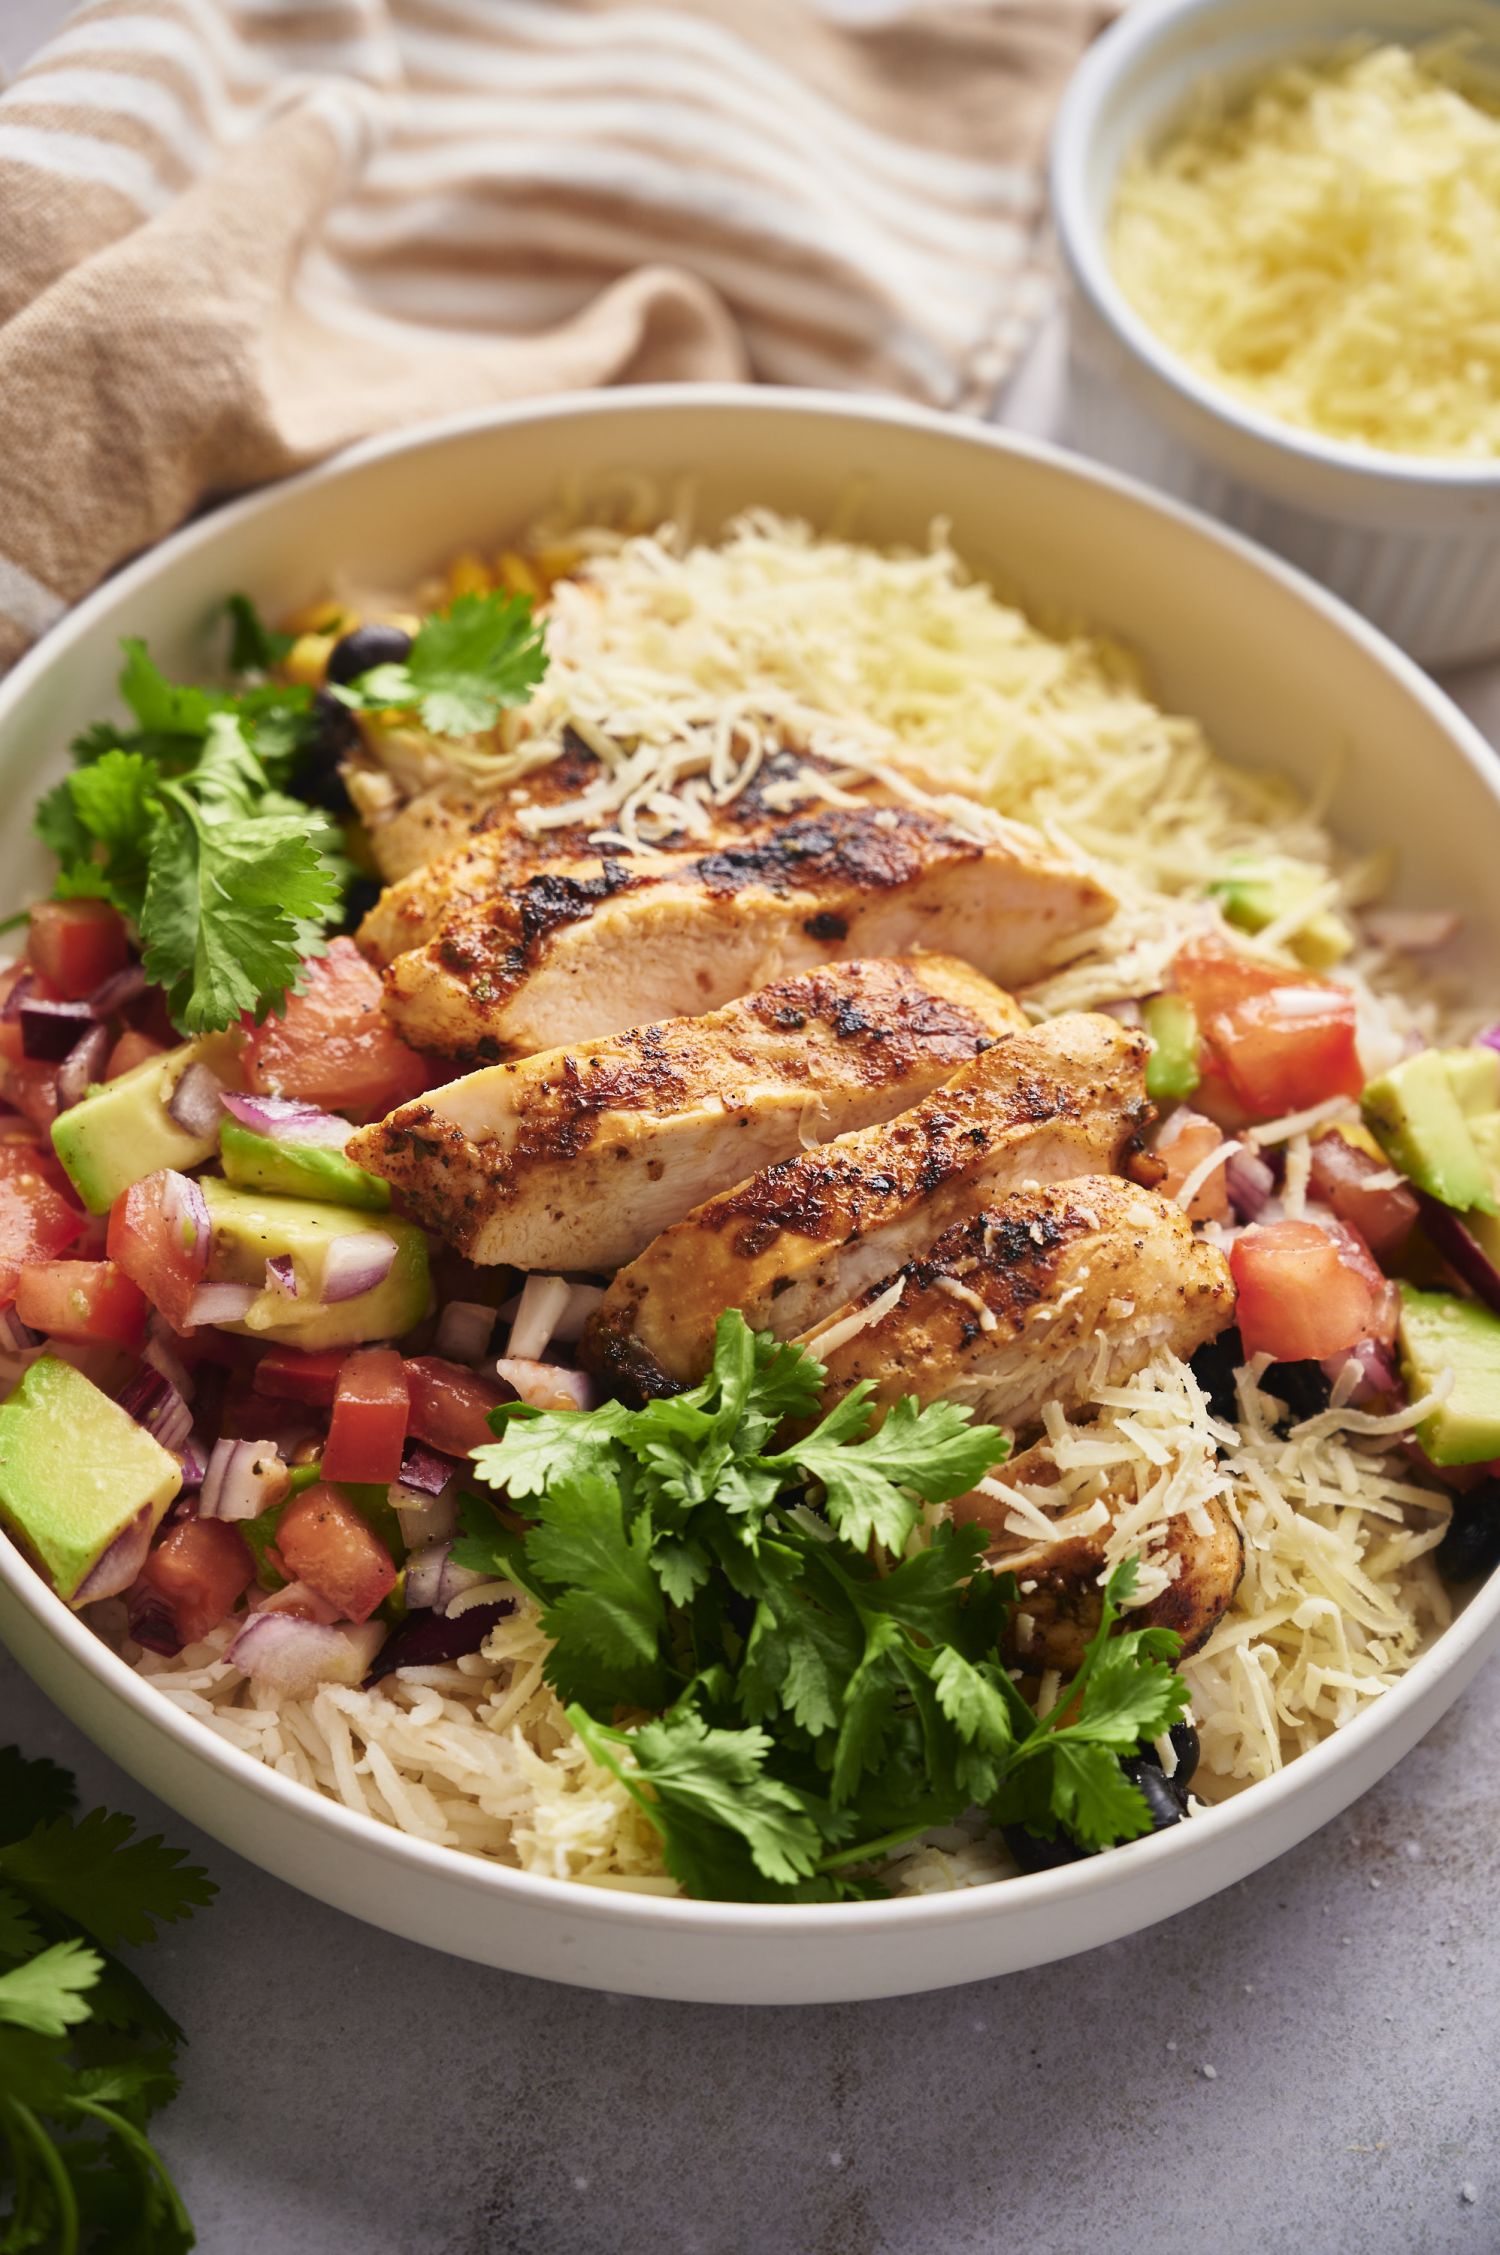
(1414, 543)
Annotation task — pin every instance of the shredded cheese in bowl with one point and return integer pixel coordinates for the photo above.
(1328, 247)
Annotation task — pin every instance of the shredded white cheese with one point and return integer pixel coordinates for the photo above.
(838, 1334)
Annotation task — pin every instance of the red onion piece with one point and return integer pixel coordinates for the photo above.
(82, 1067)
(221, 1303)
(243, 1479)
(121, 987)
(16, 1337)
(1378, 1377)
(1489, 1039)
(164, 1358)
(1250, 1183)
(423, 1471)
(424, 1519)
(50, 1029)
(296, 1657)
(427, 1640)
(1412, 931)
(357, 1263)
(424, 1575)
(117, 1567)
(281, 1275)
(300, 1599)
(186, 1209)
(284, 1120)
(464, 1331)
(151, 1620)
(154, 1402)
(547, 1385)
(544, 1300)
(194, 1102)
(194, 1465)
(1461, 1249)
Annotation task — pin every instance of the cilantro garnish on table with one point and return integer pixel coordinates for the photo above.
(86, 2053)
(187, 816)
(823, 1682)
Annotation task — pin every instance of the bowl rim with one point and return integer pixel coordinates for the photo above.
(1069, 1884)
(1128, 42)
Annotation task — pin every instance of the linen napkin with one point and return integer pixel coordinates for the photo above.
(238, 234)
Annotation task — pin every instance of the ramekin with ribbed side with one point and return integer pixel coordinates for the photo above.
(1412, 541)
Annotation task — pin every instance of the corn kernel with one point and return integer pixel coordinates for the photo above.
(468, 574)
(557, 561)
(516, 576)
(326, 617)
(307, 660)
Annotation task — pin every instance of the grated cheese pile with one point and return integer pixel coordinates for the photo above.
(1329, 248)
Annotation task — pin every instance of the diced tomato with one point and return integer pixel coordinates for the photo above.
(1303, 1294)
(197, 1573)
(1183, 1144)
(1341, 1178)
(153, 1238)
(30, 1086)
(36, 1222)
(1289, 1049)
(1385, 1297)
(77, 944)
(334, 1046)
(10, 1028)
(323, 1541)
(1216, 978)
(368, 1429)
(22, 1153)
(82, 1300)
(130, 1050)
(288, 1376)
(450, 1406)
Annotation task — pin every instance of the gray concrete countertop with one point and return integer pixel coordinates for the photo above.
(1305, 2066)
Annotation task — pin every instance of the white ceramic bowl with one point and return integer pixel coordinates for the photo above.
(1281, 675)
(1414, 543)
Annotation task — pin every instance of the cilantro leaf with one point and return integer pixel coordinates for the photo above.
(32, 1792)
(1093, 1798)
(465, 666)
(613, 1610)
(254, 647)
(94, 1872)
(874, 1487)
(46, 1994)
(540, 1448)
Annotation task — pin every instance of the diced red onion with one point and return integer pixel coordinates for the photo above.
(81, 1067)
(543, 1302)
(424, 1519)
(16, 999)
(424, 1471)
(243, 1479)
(151, 1620)
(194, 1464)
(424, 1574)
(301, 1600)
(50, 1029)
(284, 1120)
(295, 1657)
(1446, 1232)
(281, 1275)
(194, 1102)
(118, 989)
(16, 1337)
(1489, 1039)
(164, 1358)
(221, 1303)
(154, 1402)
(464, 1331)
(1412, 931)
(1378, 1377)
(357, 1263)
(547, 1385)
(120, 1565)
(186, 1208)
(1250, 1183)
(427, 1640)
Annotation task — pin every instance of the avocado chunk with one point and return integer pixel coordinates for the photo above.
(1441, 1333)
(75, 1469)
(122, 1130)
(298, 1170)
(1419, 1113)
(1257, 890)
(251, 1227)
(1172, 1027)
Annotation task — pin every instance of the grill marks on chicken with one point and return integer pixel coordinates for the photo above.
(584, 949)
(792, 1243)
(1040, 1297)
(576, 1158)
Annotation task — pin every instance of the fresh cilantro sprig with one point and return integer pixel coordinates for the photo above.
(86, 2054)
(824, 1681)
(465, 666)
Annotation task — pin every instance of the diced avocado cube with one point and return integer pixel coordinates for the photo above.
(122, 1130)
(75, 1469)
(1172, 1025)
(251, 1227)
(1419, 1121)
(1256, 890)
(298, 1170)
(1442, 1333)
(1474, 1076)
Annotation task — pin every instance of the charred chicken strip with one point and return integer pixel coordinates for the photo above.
(577, 1158)
(584, 950)
(797, 1240)
(1037, 1298)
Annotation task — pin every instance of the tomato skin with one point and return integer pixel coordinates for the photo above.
(198, 1571)
(1304, 1295)
(30, 1086)
(153, 1249)
(77, 944)
(36, 1222)
(130, 1050)
(323, 1541)
(1340, 1178)
(334, 1046)
(286, 1375)
(367, 1432)
(1289, 1049)
(82, 1300)
(1217, 978)
(1186, 1139)
(450, 1406)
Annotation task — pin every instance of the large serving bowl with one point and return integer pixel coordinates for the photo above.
(1282, 675)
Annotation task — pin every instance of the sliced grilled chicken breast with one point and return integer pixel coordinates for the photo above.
(797, 1240)
(584, 950)
(577, 1158)
(1036, 1298)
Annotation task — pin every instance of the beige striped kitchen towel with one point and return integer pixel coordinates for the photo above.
(237, 234)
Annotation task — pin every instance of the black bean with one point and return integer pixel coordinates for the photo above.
(1214, 1367)
(332, 736)
(1185, 1746)
(360, 896)
(1032, 1854)
(1471, 1547)
(1301, 1385)
(1166, 1797)
(367, 646)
